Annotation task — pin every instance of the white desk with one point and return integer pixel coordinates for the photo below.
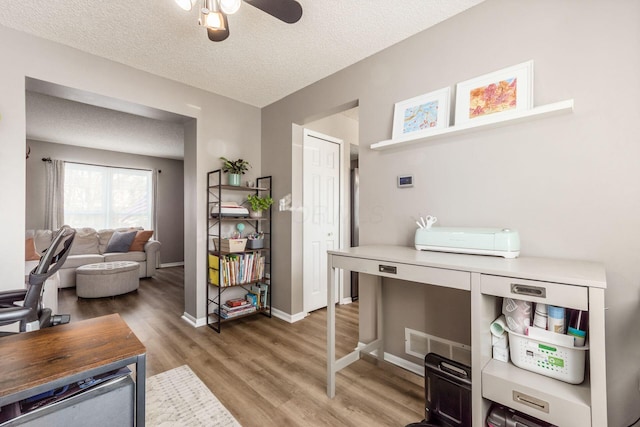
(573, 284)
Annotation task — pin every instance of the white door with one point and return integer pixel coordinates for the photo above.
(321, 205)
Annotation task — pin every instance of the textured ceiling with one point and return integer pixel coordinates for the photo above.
(61, 121)
(261, 62)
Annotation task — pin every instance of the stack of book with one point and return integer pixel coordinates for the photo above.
(236, 269)
(236, 307)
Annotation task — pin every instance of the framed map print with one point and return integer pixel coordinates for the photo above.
(421, 115)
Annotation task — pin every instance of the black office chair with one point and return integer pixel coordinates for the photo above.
(25, 305)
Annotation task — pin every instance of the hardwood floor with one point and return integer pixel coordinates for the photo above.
(267, 372)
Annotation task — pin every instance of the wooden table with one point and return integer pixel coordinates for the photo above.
(39, 361)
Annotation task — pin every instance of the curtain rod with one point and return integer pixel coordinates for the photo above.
(48, 160)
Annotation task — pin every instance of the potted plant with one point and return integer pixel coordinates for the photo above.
(235, 169)
(258, 204)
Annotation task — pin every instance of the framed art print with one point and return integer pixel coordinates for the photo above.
(421, 115)
(501, 92)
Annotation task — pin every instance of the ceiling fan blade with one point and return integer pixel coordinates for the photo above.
(219, 35)
(288, 11)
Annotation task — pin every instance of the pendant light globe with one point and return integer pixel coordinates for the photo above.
(230, 6)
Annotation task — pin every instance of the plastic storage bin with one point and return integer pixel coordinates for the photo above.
(548, 358)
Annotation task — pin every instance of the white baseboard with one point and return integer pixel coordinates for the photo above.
(346, 300)
(172, 264)
(196, 323)
(395, 360)
(291, 318)
(405, 364)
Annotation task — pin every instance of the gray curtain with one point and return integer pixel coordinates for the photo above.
(54, 195)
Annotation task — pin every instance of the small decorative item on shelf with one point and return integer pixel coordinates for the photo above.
(258, 204)
(255, 241)
(235, 169)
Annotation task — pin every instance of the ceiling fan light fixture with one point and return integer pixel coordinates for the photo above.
(214, 20)
(211, 16)
(230, 6)
(185, 4)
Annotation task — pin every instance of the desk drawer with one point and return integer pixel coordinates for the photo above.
(550, 400)
(570, 296)
(411, 272)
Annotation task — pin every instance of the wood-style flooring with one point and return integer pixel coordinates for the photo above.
(266, 372)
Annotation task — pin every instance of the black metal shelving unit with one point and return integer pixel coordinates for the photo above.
(215, 256)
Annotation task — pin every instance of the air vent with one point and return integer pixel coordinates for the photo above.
(418, 344)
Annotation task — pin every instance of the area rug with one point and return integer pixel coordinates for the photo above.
(179, 398)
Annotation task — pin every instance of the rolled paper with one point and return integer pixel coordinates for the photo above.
(502, 342)
(501, 354)
(518, 314)
(540, 316)
(498, 326)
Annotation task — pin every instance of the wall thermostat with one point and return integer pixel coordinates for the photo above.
(405, 181)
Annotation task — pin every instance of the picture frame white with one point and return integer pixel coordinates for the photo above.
(421, 115)
(501, 92)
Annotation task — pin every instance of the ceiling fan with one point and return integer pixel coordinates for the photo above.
(213, 13)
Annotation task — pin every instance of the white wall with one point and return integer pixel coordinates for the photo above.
(570, 184)
(223, 128)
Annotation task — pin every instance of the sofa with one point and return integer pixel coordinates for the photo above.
(91, 246)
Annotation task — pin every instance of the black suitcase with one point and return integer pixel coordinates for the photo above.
(447, 393)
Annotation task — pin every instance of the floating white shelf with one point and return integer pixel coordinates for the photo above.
(488, 122)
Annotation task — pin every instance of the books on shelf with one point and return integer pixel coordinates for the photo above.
(230, 313)
(236, 269)
(259, 294)
(255, 300)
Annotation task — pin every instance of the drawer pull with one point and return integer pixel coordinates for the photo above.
(532, 291)
(530, 401)
(387, 269)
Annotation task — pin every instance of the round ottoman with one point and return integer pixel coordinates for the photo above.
(106, 279)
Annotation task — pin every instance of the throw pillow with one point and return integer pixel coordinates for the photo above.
(103, 239)
(85, 242)
(121, 241)
(141, 238)
(42, 239)
(30, 253)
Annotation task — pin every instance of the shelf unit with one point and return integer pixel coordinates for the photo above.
(551, 400)
(488, 122)
(215, 256)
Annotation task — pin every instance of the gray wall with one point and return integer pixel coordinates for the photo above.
(170, 203)
(570, 184)
(220, 127)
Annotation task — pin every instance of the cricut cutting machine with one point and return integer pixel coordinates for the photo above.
(467, 240)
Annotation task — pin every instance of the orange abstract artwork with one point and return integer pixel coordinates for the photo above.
(494, 98)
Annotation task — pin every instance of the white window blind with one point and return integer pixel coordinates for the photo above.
(105, 197)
